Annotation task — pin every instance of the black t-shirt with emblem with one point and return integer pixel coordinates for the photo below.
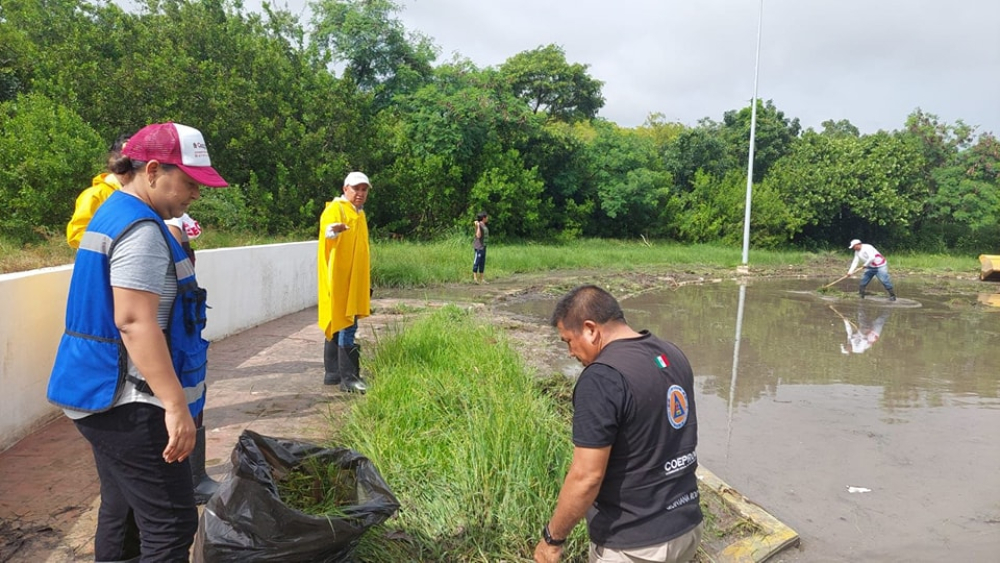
(638, 397)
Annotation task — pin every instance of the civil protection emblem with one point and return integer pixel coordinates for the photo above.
(677, 406)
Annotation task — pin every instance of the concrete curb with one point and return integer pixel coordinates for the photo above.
(774, 537)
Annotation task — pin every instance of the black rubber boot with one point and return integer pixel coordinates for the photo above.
(861, 293)
(892, 295)
(331, 362)
(350, 370)
(204, 486)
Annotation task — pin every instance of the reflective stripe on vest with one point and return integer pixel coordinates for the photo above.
(91, 362)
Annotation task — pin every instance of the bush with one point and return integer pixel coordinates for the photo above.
(224, 208)
(47, 156)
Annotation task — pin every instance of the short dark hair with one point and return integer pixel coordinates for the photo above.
(481, 215)
(586, 303)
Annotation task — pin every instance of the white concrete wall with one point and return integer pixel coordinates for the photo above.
(32, 311)
(246, 286)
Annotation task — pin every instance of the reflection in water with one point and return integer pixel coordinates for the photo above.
(865, 333)
(736, 363)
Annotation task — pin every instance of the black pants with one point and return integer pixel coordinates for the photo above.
(479, 260)
(147, 505)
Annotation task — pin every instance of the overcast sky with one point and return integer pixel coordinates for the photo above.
(869, 61)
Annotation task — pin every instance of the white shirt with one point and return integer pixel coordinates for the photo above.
(868, 257)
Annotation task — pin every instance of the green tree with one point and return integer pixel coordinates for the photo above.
(774, 136)
(512, 195)
(841, 128)
(460, 123)
(964, 211)
(702, 148)
(713, 212)
(16, 54)
(939, 141)
(548, 83)
(837, 187)
(633, 191)
(558, 151)
(46, 152)
(380, 55)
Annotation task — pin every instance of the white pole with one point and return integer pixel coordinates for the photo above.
(753, 130)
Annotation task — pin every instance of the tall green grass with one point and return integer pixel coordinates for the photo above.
(407, 264)
(458, 428)
(449, 260)
(18, 257)
(935, 263)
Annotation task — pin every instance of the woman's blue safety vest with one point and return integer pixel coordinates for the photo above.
(91, 363)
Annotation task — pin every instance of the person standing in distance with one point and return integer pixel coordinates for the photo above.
(875, 266)
(130, 367)
(479, 247)
(635, 431)
(344, 269)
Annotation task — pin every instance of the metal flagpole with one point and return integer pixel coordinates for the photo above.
(753, 130)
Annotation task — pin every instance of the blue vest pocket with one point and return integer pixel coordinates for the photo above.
(88, 373)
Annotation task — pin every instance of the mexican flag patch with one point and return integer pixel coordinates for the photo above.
(662, 361)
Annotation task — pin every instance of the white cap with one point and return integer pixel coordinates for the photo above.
(356, 179)
(854, 243)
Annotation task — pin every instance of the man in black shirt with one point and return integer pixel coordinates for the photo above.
(634, 435)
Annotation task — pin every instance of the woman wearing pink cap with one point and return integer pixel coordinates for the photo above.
(130, 368)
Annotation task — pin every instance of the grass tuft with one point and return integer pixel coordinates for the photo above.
(473, 451)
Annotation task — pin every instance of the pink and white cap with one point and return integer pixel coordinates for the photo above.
(180, 145)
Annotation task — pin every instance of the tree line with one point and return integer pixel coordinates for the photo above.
(289, 107)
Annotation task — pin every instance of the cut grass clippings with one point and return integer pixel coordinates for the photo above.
(318, 488)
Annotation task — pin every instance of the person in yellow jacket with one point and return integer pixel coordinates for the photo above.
(344, 282)
(101, 188)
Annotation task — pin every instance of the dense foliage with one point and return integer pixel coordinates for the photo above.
(288, 107)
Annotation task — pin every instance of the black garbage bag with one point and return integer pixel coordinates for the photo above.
(247, 521)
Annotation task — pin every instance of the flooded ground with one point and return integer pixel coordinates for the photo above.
(871, 428)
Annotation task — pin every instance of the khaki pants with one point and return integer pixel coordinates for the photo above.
(678, 550)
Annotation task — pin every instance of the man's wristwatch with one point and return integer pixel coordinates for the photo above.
(549, 539)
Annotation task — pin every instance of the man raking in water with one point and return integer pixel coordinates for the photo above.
(874, 264)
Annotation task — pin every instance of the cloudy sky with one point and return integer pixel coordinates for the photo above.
(869, 61)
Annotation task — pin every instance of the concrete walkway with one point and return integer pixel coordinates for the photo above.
(268, 379)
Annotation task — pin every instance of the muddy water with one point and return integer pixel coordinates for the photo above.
(871, 428)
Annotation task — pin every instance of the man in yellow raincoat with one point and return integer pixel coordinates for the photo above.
(344, 266)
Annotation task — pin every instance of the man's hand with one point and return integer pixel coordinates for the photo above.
(545, 553)
(334, 229)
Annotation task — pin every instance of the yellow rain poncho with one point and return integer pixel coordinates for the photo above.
(87, 203)
(344, 268)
